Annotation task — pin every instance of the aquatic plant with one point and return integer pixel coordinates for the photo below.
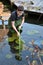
(19, 41)
(13, 37)
(18, 57)
(8, 56)
(32, 32)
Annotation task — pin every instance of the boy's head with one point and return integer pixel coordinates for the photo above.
(20, 10)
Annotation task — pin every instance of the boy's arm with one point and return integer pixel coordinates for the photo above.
(15, 28)
(23, 19)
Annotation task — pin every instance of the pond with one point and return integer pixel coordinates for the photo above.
(28, 51)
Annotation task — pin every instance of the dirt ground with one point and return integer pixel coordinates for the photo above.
(3, 33)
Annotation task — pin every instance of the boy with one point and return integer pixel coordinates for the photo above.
(16, 20)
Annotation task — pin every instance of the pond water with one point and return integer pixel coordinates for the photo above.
(27, 52)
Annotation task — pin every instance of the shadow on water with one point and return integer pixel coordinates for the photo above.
(24, 50)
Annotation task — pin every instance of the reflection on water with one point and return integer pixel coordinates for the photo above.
(16, 44)
(14, 48)
(26, 50)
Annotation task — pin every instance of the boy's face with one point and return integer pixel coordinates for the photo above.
(19, 12)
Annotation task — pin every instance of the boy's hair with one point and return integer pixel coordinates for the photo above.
(20, 8)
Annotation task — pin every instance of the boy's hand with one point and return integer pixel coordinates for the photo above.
(19, 27)
(18, 33)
